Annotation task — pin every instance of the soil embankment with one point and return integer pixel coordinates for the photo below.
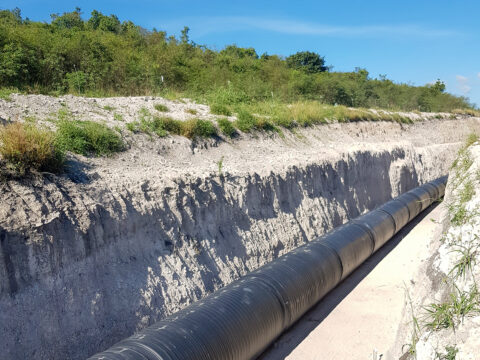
(115, 244)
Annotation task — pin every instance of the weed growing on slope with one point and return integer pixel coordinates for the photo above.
(450, 354)
(25, 147)
(88, 138)
(6, 92)
(220, 165)
(161, 107)
(108, 108)
(191, 111)
(412, 346)
(118, 117)
(226, 127)
(468, 256)
(448, 314)
(198, 128)
(162, 126)
(220, 109)
(245, 121)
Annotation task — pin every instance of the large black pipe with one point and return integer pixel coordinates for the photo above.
(240, 320)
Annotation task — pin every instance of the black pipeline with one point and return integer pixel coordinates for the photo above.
(240, 320)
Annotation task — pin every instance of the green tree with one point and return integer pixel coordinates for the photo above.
(68, 20)
(307, 61)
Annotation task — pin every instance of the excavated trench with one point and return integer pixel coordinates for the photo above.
(81, 270)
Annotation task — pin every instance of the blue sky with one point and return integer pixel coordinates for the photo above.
(409, 41)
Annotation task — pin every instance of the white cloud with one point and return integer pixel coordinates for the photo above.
(463, 84)
(206, 25)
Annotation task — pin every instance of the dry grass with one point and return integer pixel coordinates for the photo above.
(469, 112)
(25, 147)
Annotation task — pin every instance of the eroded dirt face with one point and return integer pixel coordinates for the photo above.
(117, 243)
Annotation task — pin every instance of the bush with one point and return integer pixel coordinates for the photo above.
(76, 81)
(162, 126)
(88, 138)
(219, 109)
(161, 107)
(226, 127)
(245, 121)
(198, 127)
(26, 147)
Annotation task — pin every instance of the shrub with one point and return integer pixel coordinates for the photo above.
(76, 81)
(310, 113)
(6, 92)
(132, 126)
(162, 126)
(219, 109)
(88, 138)
(471, 139)
(26, 147)
(245, 121)
(198, 127)
(161, 107)
(226, 127)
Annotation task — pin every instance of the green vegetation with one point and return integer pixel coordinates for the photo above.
(87, 138)
(6, 92)
(457, 210)
(226, 127)
(162, 126)
(198, 128)
(191, 111)
(118, 117)
(161, 108)
(220, 109)
(451, 353)
(108, 108)
(26, 148)
(448, 314)
(103, 56)
(467, 259)
(220, 165)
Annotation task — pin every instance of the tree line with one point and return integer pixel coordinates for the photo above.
(102, 56)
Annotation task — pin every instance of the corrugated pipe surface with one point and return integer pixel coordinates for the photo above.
(240, 320)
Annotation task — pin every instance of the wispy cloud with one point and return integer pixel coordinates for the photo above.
(463, 84)
(207, 25)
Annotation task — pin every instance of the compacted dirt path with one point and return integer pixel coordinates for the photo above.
(360, 318)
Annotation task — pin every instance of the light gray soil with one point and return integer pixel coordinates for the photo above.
(118, 243)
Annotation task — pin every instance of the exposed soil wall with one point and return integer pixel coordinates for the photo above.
(116, 244)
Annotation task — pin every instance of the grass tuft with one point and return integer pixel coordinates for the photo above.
(5, 93)
(88, 138)
(162, 126)
(161, 107)
(220, 109)
(226, 127)
(468, 259)
(245, 122)
(26, 147)
(198, 128)
(448, 314)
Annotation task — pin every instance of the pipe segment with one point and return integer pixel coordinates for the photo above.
(243, 318)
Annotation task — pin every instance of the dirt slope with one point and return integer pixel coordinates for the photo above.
(114, 244)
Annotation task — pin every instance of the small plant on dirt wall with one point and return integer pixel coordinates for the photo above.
(26, 147)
